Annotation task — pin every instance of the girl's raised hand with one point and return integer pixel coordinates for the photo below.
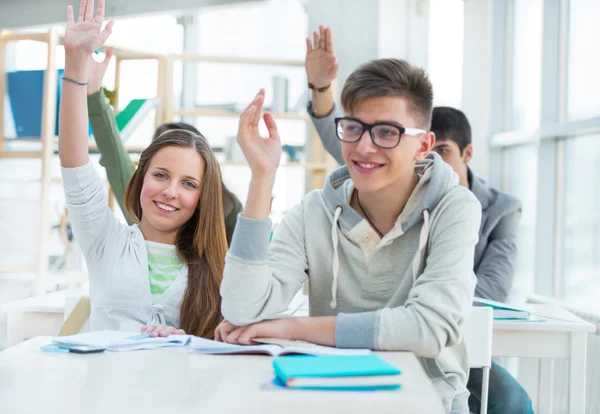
(85, 35)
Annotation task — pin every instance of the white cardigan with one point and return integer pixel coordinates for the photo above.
(117, 260)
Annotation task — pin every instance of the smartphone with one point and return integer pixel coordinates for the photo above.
(85, 349)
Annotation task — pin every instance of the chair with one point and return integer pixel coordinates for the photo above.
(478, 338)
(77, 312)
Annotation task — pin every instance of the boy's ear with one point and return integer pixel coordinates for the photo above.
(467, 154)
(427, 142)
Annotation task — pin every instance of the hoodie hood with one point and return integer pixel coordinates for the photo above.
(435, 179)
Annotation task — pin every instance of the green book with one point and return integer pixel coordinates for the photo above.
(133, 114)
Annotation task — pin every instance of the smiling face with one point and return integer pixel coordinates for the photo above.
(373, 168)
(170, 192)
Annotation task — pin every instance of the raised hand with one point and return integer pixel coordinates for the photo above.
(263, 154)
(86, 35)
(321, 64)
(96, 71)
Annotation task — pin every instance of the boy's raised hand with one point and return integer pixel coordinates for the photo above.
(263, 154)
(321, 64)
(85, 35)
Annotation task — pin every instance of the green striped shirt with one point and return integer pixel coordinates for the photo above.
(163, 266)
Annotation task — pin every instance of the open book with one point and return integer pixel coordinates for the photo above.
(120, 341)
(273, 347)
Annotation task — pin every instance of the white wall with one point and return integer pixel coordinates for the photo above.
(477, 75)
(366, 30)
(28, 13)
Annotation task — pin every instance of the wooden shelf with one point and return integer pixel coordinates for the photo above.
(10, 153)
(19, 268)
(20, 154)
(15, 37)
(234, 114)
(44, 147)
(122, 53)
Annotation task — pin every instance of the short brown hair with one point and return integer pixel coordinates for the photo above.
(390, 77)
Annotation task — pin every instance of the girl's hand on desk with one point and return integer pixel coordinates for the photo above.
(276, 328)
(162, 330)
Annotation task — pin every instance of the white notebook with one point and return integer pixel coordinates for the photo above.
(273, 347)
(121, 341)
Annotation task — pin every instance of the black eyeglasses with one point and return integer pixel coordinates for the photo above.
(382, 134)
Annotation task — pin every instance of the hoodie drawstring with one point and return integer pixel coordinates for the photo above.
(335, 268)
(418, 259)
(416, 263)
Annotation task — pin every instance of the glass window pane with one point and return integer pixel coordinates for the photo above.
(522, 183)
(581, 222)
(527, 64)
(445, 66)
(583, 63)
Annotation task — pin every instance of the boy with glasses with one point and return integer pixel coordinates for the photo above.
(387, 244)
(495, 252)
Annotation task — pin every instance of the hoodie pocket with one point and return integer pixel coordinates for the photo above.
(380, 287)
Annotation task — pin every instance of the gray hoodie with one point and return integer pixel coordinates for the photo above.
(407, 291)
(496, 250)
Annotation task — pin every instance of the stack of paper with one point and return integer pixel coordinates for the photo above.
(120, 341)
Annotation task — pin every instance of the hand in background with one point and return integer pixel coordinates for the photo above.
(321, 64)
(96, 71)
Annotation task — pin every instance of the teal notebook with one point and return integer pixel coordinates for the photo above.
(341, 373)
(502, 310)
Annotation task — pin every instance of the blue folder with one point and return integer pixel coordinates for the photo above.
(25, 93)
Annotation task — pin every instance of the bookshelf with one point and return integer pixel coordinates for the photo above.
(318, 163)
(47, 139)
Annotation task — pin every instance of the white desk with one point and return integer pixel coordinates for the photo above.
(38, 315)
(174, 381)
(562, 336)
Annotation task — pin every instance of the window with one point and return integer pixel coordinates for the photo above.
(271, 30)
(527, 64)
(581, 221)
(522, 183)
(446, 30)
(583, 79)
